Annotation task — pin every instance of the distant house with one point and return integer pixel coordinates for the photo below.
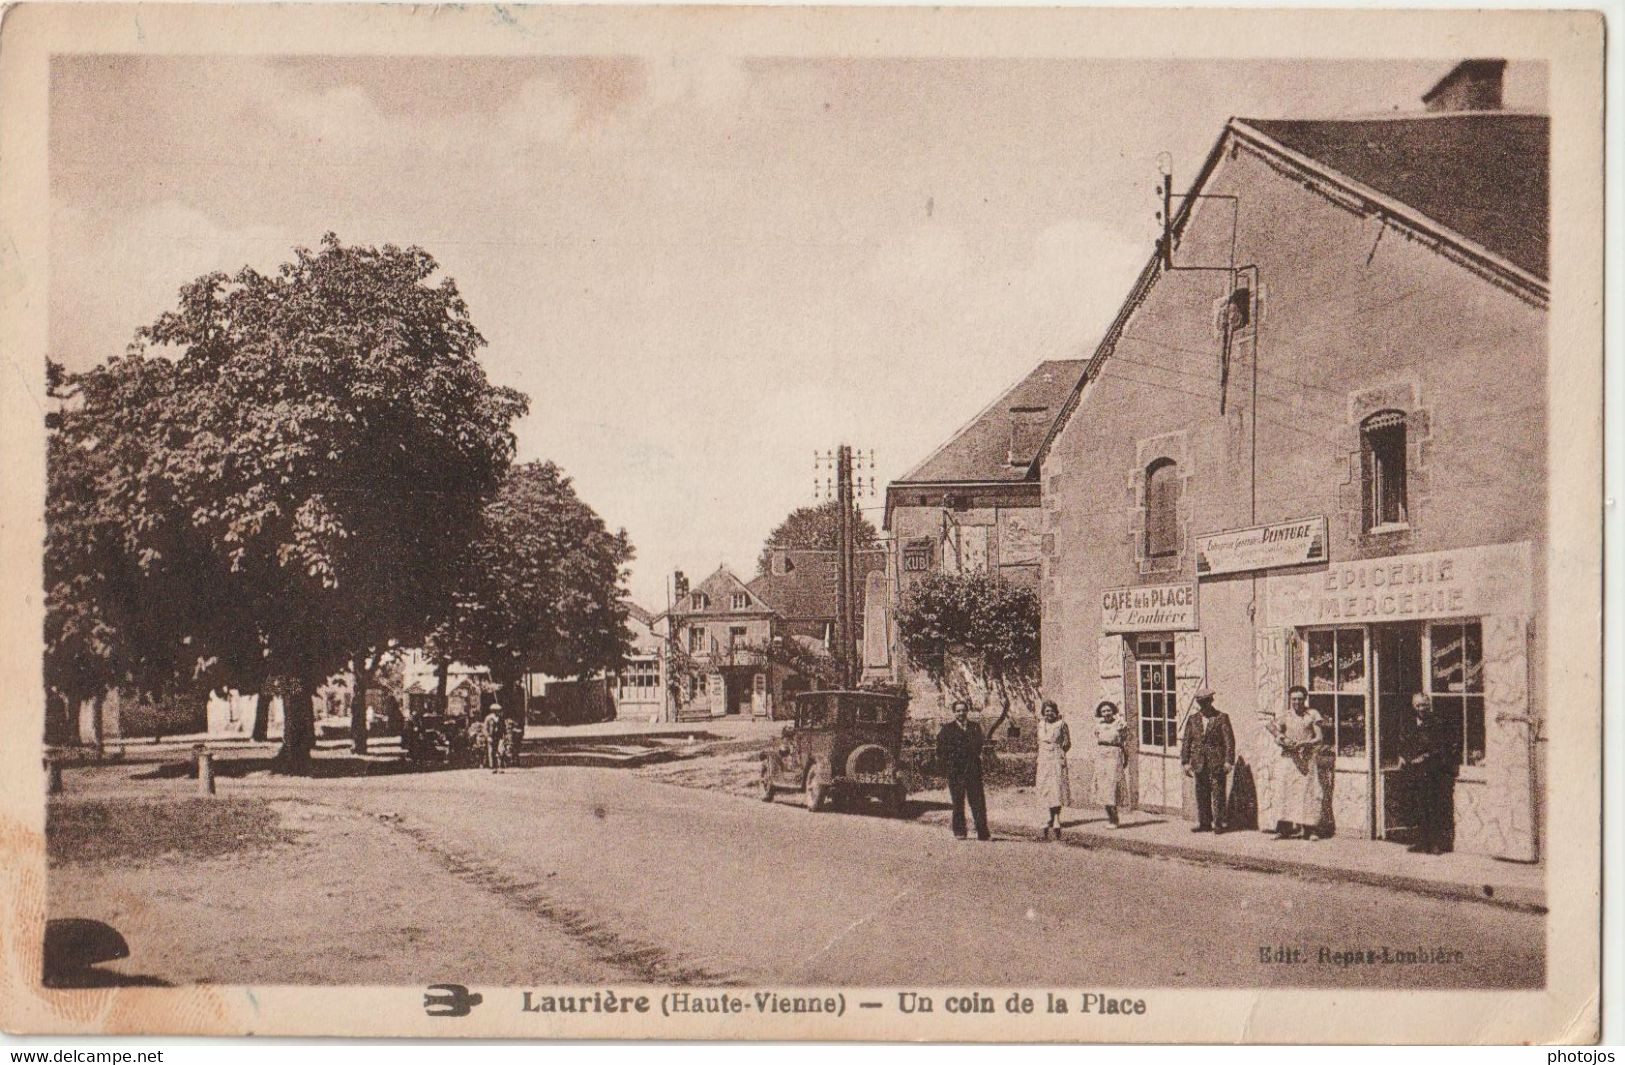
(635, 692)
(740, 638)
(975, 503)
(721, 628)
(639, 688)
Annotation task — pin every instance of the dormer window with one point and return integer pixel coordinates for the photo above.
(741, 601)
(700, 600)
(1028, 426)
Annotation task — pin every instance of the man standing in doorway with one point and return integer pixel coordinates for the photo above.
(1430, 757)
(1207, 753)
(959, 752)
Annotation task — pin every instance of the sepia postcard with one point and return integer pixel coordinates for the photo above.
(801, 523)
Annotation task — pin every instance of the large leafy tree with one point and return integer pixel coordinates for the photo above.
(817, 527)
(541, 586)
(959, 627)
(314, 448)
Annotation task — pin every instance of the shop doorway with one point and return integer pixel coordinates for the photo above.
(1398, 652)
(1157, 780)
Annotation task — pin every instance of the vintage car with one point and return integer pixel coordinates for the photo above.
(843, 745)
(432, 737)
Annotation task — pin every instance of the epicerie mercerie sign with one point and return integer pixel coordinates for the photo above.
(1287, 543)
(1150, 608)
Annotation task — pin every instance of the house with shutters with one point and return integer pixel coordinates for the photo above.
(973, 504)
(740, 642)
(719, 629)
(1310, 450)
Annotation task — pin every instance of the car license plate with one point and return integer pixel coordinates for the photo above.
(872, 778)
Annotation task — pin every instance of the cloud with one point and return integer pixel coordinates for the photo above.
(111, 274)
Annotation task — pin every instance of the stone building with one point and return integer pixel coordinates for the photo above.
(974, 504)
(1311, 449)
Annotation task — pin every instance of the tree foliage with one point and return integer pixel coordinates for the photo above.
(958, 628)
(286, 466)
(816, 527)
(541, 586)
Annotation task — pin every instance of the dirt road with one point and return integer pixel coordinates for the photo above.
(574, 874)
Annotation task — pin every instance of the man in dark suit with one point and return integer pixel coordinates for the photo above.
(1207, 753)
(1430, 760)
(959, 752)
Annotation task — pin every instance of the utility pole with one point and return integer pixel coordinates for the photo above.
(845, 491)
(844, 629)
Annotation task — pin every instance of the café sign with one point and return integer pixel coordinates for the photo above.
(1150, 608)
(1287, 543)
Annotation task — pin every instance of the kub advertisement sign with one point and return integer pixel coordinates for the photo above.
(1287, 543)
(1150, 608)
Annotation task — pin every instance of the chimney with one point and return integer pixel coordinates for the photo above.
(1474, 85)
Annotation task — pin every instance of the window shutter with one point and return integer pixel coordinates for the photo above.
(1190, 666)
(1505, 829)
(1109, 651)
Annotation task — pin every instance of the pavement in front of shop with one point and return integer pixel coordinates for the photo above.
(1517, 885)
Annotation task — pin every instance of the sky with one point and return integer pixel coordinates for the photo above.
(701, 269)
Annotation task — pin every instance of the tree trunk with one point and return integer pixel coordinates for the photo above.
(298, 727)
(1004, 702)
(442, 671)
(98, 725)
(361, 681)
(262, 713)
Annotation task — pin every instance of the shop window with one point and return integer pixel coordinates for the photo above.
(1335, 667)
(1162, 509)
(1456, 684)
(1158, 691)
(1382, 455)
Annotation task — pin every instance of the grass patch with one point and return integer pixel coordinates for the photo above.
(143, 829)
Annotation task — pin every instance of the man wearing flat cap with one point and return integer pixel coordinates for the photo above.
(1207, 752)
(959, 753)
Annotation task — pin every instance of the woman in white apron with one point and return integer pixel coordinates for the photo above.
(1054, 789)
(1107, 760)
(1298, 731)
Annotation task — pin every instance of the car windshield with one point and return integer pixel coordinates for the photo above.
(831, 710)
(815, 713)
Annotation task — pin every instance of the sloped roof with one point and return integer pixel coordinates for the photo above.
(720, 588)
(1482, 174)
(638, 614)
(1483, 198)
(808, 589)
(1000, 443)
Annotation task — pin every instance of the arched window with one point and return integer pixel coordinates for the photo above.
(1162, 509)
(1382, 459)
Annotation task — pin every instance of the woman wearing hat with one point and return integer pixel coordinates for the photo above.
(1054, 789)
(1110, 732)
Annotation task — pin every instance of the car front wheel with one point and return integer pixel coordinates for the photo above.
(815, 795)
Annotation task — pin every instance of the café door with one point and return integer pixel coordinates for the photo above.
(1397, 650)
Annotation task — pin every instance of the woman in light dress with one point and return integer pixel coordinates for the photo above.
(1298, 732)
(1054, 789)
(1110, 735)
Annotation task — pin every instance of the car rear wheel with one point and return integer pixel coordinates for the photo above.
(767, 785)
